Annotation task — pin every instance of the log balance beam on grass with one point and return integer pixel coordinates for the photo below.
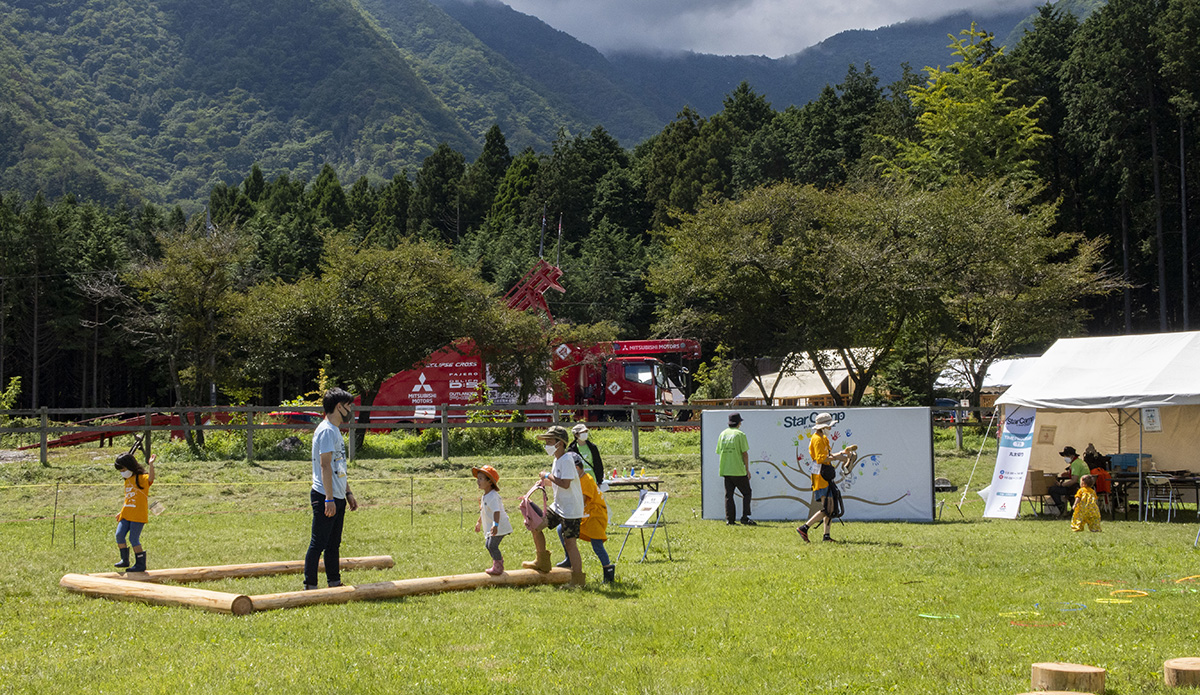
(183, 575)
(158, 594)
(237, 604)
(408, 587)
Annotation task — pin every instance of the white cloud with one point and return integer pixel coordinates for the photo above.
(732, 27)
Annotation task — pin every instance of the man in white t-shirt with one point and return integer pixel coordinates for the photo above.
(330, 494)
(566, 510)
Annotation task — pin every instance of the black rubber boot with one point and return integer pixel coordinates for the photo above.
(610, 573)
(565, 563)
(139, 562)
(124, 558)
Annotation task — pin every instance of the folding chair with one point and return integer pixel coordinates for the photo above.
(650, 504)
(1159, 490)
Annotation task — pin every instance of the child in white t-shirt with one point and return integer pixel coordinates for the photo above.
(493, 520)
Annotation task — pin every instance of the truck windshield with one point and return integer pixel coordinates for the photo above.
(639, 373)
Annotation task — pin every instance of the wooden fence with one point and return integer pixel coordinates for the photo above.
(56, 422)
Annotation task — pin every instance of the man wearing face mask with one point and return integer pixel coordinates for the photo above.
(567, 508)
(1069, 479)
(587, 451)
(330, 494)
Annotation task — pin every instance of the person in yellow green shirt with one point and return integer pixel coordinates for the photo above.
(734, 451)
(135, 509)
(824, 490)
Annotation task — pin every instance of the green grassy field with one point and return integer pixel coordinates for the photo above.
(739, 609)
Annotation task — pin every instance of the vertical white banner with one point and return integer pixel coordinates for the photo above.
(1012, 465)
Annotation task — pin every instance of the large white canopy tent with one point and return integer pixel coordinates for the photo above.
(1092, 390)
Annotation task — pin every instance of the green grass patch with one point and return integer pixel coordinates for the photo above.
(738, 609)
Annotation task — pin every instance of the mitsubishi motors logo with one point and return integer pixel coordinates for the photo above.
(613, 388)
(422, 386)
(563, 351)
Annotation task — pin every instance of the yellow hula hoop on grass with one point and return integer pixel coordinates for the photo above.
(1187, 579)
(1095, 583)
(1114, 600)
(1132, 593)
(1017, 614)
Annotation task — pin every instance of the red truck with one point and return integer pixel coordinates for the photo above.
(624, 372)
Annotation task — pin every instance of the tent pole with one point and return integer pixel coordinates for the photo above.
(1141, 479)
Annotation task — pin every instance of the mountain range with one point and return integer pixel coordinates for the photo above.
(160, 100)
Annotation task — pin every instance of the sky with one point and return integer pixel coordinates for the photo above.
(772, 28)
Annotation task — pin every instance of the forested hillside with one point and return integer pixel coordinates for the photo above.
(162, 99)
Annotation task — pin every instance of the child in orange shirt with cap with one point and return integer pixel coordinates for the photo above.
(491, 516)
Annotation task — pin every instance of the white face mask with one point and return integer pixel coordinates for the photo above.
(1067, 459)
(551, 449)
(126, 474)
(583, 436)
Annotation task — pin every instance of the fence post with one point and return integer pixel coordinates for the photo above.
(556, 415)
(958, 442)
(44, 434)
(633, 419)
(148, 436)
(250, 436)
(445, 435)
(352, 441)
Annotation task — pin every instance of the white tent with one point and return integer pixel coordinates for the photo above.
(1093, 390)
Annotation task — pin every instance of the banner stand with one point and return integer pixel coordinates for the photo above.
(651, 504)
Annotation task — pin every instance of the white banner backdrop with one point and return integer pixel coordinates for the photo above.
(1012, 464)
(893, 480)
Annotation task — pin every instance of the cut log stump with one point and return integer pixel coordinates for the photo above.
(1076, 678)
(1182, 672)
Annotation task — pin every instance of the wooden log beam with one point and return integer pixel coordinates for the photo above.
(1182, 672)
(184, 575)
(1073, 677)
(407, 587)
(157, 594)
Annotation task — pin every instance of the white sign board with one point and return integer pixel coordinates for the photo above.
(1003, 500)
(1151, 422)
(645, 510)
(893, 480)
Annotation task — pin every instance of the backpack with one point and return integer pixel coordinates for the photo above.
(828, 472)
(833, 505)
(535, 516)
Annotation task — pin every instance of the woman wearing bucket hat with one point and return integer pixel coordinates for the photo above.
(824, 491)
(587, 451)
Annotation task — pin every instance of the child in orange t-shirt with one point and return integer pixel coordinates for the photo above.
(135, 509)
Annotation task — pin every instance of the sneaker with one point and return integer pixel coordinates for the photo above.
(731, 523)
(827, 539)
(803, 533)
(748, 522)
(334, 584)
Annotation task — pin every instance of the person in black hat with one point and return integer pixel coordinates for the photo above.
(1068, 479)
(733, 449)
